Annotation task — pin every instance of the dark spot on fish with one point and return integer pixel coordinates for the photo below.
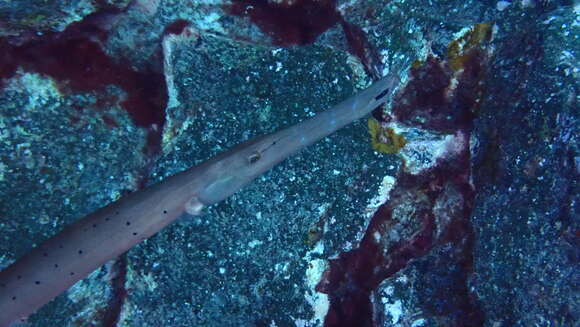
(56, 265)
(107, 219)
(37, 282)
(60, 246)
(13, 298)
(165, 211)
(19, 277)
(80, 251)
(45, 254)
(134, 233)
(128, 223)
(72, 273)
(94, 225)
(382, 94)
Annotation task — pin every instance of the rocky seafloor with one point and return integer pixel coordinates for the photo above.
(456, 205)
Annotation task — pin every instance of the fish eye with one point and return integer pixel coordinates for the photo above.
(254, 157)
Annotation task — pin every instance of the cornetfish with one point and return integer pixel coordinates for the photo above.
(70, 255)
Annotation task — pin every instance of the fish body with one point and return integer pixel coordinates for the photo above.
(76, 251)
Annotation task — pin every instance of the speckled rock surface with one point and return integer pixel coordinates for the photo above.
(527, 175)
(22, 17)
(168, 84)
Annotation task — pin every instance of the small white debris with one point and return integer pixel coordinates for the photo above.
(395, 310)
(419, 322)
(377, 236)
(502, 5)
(254, 243)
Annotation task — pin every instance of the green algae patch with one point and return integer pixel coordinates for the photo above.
(385, 140)
(458, 50)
